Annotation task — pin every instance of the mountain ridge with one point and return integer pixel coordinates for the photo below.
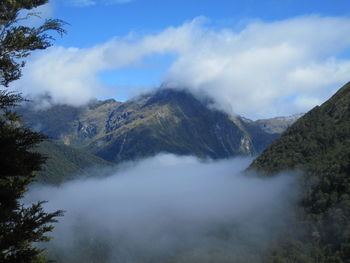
(165, 120)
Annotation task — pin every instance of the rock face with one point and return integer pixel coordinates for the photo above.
(277, 124)
(318, 144)
(166, 120)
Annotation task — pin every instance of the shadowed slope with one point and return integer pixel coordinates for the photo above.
(319, 145)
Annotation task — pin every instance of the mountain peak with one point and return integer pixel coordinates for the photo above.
(165, 120)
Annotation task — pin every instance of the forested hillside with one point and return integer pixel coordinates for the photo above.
(318, 146)
(64, 163)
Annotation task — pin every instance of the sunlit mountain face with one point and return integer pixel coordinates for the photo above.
(167, 120)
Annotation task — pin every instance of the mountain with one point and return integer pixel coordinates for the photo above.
(265, 131)
(64, 162)
(277, 124)
(318, 146)
(167, 120)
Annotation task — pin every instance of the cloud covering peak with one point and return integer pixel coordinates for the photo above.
(263, 69)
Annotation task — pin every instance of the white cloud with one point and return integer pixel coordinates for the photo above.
(167, 206)
(265, 69)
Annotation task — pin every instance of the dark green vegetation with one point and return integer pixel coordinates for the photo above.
(318, 144)
(64, 163)
(20, 226)
(166, 120)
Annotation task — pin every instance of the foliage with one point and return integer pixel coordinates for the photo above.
(64, 162)
(319, 145)
(17, 41)
(20, 225)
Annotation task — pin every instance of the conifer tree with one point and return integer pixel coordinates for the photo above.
(20, 225)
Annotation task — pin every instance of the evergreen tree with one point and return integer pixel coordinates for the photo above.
(20, 225)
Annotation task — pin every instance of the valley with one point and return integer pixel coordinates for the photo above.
(174, 131)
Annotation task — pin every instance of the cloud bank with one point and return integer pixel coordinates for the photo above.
(167, 207)
(264, 69)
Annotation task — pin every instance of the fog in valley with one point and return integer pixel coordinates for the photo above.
(167, 209)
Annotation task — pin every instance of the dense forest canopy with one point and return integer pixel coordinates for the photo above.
(318, 145)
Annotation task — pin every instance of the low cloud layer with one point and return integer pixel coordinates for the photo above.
(263, 69)
(167, 208)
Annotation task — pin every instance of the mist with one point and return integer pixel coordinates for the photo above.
(168, 209)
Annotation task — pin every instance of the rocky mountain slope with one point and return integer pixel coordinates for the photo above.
(166, 120)
(276, 124)
(318, 145)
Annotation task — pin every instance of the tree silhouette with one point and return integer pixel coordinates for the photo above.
(20, 225)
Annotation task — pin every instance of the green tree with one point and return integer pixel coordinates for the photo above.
(20, 225)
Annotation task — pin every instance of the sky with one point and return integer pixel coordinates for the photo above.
(257, 59)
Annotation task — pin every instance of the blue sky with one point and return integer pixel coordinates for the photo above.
(99, 22)
(255, 58)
